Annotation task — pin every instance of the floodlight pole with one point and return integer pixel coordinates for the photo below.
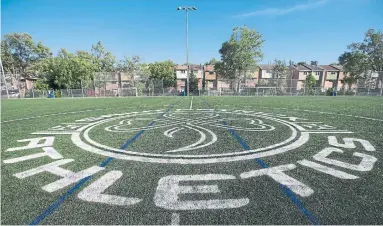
(187, 52)
(187, 8)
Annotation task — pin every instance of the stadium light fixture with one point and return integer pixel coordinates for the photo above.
(186, 9)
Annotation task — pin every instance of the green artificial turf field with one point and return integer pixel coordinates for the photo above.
(192, 160)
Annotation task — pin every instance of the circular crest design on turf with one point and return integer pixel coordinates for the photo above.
(187, 136)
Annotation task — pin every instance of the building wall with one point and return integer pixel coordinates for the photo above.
(210, 77)
(303, 74)
(266, 73)
(255, 74)
(331, 75)
(181, 74)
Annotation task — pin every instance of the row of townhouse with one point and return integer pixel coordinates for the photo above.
(327, 76)
(206, 72)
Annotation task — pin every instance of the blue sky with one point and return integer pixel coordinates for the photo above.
(301, 30)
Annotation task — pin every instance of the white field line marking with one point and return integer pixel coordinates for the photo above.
(175, 219)
(320, 112)
(174, 131)
(61, 113)
(191, 103)
(64, 113)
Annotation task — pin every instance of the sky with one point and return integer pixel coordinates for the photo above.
(300, 30)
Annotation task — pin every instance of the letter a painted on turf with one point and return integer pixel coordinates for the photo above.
(92, 193)
(34, 143)
(48, 151)
(279, 176)
(168, 191)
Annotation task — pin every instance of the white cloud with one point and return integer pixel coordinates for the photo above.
(283, 11)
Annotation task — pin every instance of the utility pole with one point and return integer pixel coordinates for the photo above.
(187, 8)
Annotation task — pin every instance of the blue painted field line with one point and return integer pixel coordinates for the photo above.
(77, 186)
(287, 191)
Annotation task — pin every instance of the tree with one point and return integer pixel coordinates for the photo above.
(301, 63)
(20, 55)
(310, 82)
(131, 66)
(163, 71)
(103, 59)
(213, 61)
(240, 54)
(349, 80)
(363, 58)
(193, 82)
(314, 63)
(280, 72)
(144, 71)
(70, 71)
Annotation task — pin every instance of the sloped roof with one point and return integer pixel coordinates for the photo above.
(338, 66)
(329, 68)
(209, 67)
(181, 67)
(314, 68)
(192, 67)
(266, 66)
(301, 68)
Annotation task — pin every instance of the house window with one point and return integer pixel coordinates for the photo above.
(182, 71)
(211, 72)
(305, 73)
(268, 71)
(333, 73)
(317, 73)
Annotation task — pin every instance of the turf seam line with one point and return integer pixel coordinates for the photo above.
(293, 198)
(56, 204)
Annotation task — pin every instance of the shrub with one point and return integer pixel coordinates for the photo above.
(57, 93)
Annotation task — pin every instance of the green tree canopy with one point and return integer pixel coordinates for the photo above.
(310, 81)
(19, 52)
(364, 57)
(104, 61)
(193, 83)
(240, 54)
(163, 71)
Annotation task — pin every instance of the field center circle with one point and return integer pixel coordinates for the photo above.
(84, 141)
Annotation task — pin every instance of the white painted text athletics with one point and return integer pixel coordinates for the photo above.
(169, 188)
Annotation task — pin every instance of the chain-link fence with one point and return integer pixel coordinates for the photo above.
(122, 85)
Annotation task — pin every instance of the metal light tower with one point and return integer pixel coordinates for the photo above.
(186, 9)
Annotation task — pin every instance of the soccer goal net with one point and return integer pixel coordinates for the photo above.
(128, 92)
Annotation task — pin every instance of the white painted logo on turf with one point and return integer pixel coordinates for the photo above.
(168, 194)
(197, 124)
